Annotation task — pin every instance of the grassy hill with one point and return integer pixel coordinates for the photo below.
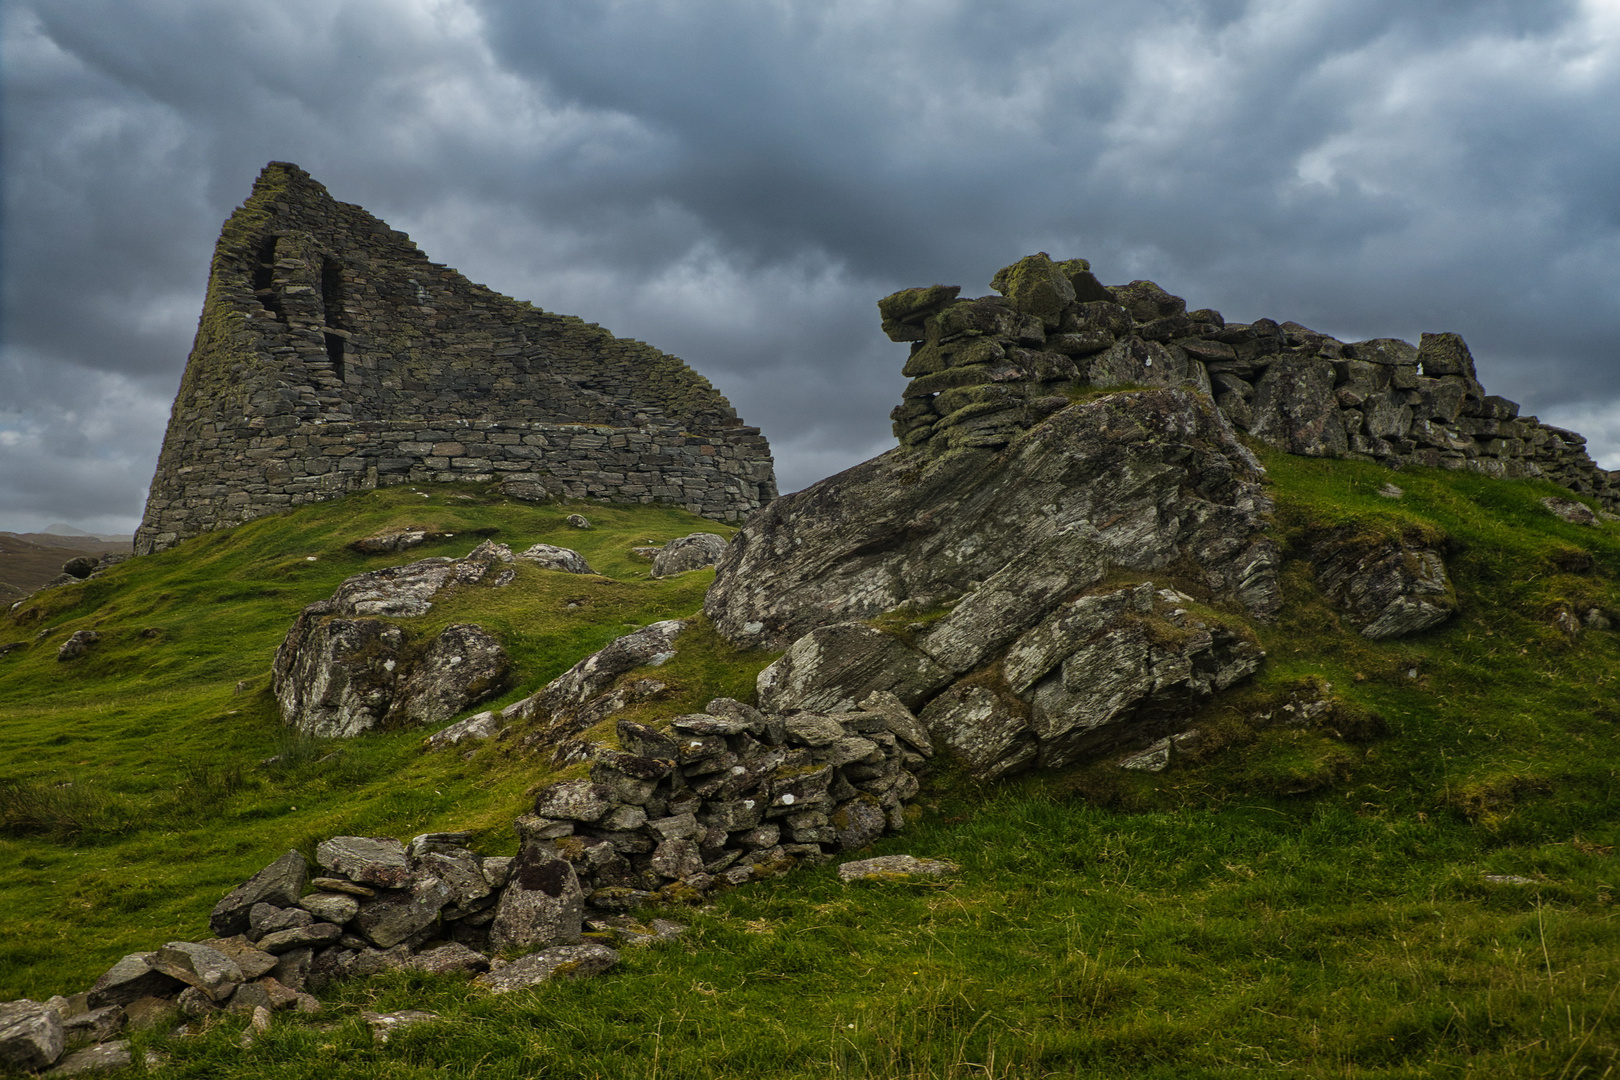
(1417, 879)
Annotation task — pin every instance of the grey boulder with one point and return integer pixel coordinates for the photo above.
(551, 557)
(30, 1035)
(542, 904)
(688, 553)
(77, 645)
(560, 962)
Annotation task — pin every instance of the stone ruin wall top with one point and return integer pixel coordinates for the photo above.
(985, 369)
(332, 356)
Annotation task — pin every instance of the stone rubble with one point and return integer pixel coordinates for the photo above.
(716, 799)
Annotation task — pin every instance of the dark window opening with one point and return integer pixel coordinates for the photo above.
(332, 304)
(264, 276)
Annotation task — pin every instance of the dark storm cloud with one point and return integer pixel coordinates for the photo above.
(738, 182)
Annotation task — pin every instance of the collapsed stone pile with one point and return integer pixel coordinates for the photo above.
(726, 796)
(720, 798)
(1035, 606)
(985, 369)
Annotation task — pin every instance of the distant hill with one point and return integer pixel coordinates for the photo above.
(29, 560)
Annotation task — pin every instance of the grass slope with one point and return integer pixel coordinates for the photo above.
(1418, 880)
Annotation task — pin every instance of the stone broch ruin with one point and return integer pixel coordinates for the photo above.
(332, 357)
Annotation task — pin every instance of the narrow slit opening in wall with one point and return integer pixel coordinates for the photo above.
(264, 276)
(332, 303)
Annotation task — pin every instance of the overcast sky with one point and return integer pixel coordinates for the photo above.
(739, 181)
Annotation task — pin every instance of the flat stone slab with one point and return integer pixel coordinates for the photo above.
(385, 1026)
(369, 861)
(206, 968)
(562, 962)
(94, 1059)
(895, 866)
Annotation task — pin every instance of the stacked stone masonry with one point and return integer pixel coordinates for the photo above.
(332, 357)
(985, 369)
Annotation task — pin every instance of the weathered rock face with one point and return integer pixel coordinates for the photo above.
(1015, 659)
(587, 692)
(1131, 482)
(833, 667)
(30, 1035)
(336, 675)
(324, 330)
(1390, 588)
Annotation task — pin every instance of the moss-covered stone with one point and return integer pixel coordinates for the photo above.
(911, 305)
(1037, 286)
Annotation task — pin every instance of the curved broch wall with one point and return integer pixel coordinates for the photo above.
(332, 356)
(984, 369)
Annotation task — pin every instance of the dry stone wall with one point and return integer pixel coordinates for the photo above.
(332, 356)
(984, 369)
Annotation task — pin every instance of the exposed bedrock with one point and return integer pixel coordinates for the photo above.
(346, 666)
(983, 563)
(1132, 482)
(1389, 587)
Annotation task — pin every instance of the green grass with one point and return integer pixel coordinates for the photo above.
(1295, 898)
(133, 785)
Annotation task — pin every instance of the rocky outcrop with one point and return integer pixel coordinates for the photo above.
(592, 690)
(985, 566)
(985, 369)
(1104, 671)
(986, 543)
(1389, 586)
(345, 667)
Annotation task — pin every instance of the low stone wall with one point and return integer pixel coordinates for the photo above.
(655, 463)
(985, 369)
